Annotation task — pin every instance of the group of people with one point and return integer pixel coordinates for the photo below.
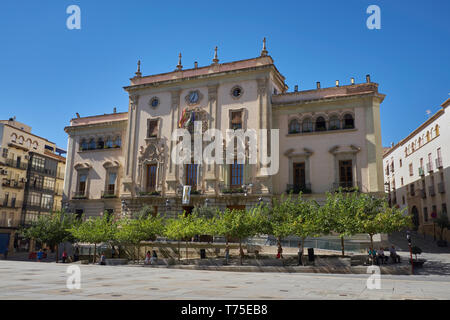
(380, 258)
(151, 258)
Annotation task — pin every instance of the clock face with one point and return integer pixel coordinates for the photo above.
(193, 97)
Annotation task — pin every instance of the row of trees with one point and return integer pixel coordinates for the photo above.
(343, 213)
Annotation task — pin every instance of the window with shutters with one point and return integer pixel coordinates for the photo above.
(151, 177)
(191, 175)
(236, 175)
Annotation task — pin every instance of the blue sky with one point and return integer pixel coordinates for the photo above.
(47, 72)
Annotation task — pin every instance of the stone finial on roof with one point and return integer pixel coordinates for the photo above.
(179, 66)
(138, 72)
(264, 51)
(215, 60)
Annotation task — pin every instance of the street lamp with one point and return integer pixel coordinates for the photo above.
(408, 237)
(124, 208)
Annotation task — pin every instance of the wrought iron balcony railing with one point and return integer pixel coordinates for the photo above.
(439, 163)
(441, 187)
(79, 195)
(422, 193)
(346, 186)
(14, 164)
(9, 223)
(297, 188)
(109, 194)
(13, 184)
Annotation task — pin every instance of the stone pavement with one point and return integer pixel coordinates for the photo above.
(32, 280)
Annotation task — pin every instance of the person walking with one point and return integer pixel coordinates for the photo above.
(300, 254)
(227, 254)
(64, 256)
(103, 259)
(147, 258)
(154, 257)
(40, 255)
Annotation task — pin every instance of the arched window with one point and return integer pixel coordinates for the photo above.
(349, 122)
(307, 125)
(437, 130)
(20, 140)
(294, 126)
(117, 142)
(100, 143)
(109, 142)
(413, 147)
(334, 123)
(92, 144)
(84, 145)
(35, 145)
(406, 151)
(13, 137)
(420, 142)
(321, 124)
(428, 136)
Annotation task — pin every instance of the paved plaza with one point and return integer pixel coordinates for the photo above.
(33, 280)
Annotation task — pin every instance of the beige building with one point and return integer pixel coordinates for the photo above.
(328, 138)
(417, 171)
(29, 175)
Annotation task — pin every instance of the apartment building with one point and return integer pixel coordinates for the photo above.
(28, 173)
(417, 171)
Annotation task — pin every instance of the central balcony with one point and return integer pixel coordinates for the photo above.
(108, 194)
(297, 188)
(346, 186)
(79, 195)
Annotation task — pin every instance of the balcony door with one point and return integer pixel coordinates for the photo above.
(345, 174)
(151, 177)
(299, 175)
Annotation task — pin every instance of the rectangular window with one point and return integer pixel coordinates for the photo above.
(411, 173)
(47, 201)
(236, 120)
(152, 128)
(191, 175)
(151, 177)
(111, 187)
(82, 184)
(345, 174)
(5, 153)
(236, 175)
(401, 163)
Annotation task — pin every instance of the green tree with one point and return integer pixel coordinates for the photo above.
(133, 231)
(184, 228)
(95, 230)
(52, 229)
(309, 220)
(375, 216)
(278, 219)
(238, 224)
(338, 214)
(443, 223)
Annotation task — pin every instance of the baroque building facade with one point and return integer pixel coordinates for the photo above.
(417, 172)
(328, 138)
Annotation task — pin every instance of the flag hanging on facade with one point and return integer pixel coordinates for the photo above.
(191, 118)
(183, 118)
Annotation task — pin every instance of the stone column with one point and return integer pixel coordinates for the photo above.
(263, 124)
(211, 176)
(130, 150)
(175, 113)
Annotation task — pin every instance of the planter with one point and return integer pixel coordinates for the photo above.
(442, 243)
(116, 262)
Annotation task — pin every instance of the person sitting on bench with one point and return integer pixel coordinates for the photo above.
(394, 256)
(381, 256)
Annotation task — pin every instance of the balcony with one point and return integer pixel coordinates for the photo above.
(9, 223)
(297, 188)
(346, 186)
(232, 190)
(431, 191)
(439, 163)
(429, 167)
(10, 203)
(421, 171)
(79, 195)
(441, 187)
(13, 184)
(422, 193)
(14, 164)
(108, 194)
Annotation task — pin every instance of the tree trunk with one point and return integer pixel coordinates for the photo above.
(280, 249)
(240, 252)
(179, 251)
(57, 253)
(342, 246)
(95, 252)
(187, 260)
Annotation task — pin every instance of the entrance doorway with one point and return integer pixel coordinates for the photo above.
(415, 217)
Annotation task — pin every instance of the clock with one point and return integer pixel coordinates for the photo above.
(193, 97)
